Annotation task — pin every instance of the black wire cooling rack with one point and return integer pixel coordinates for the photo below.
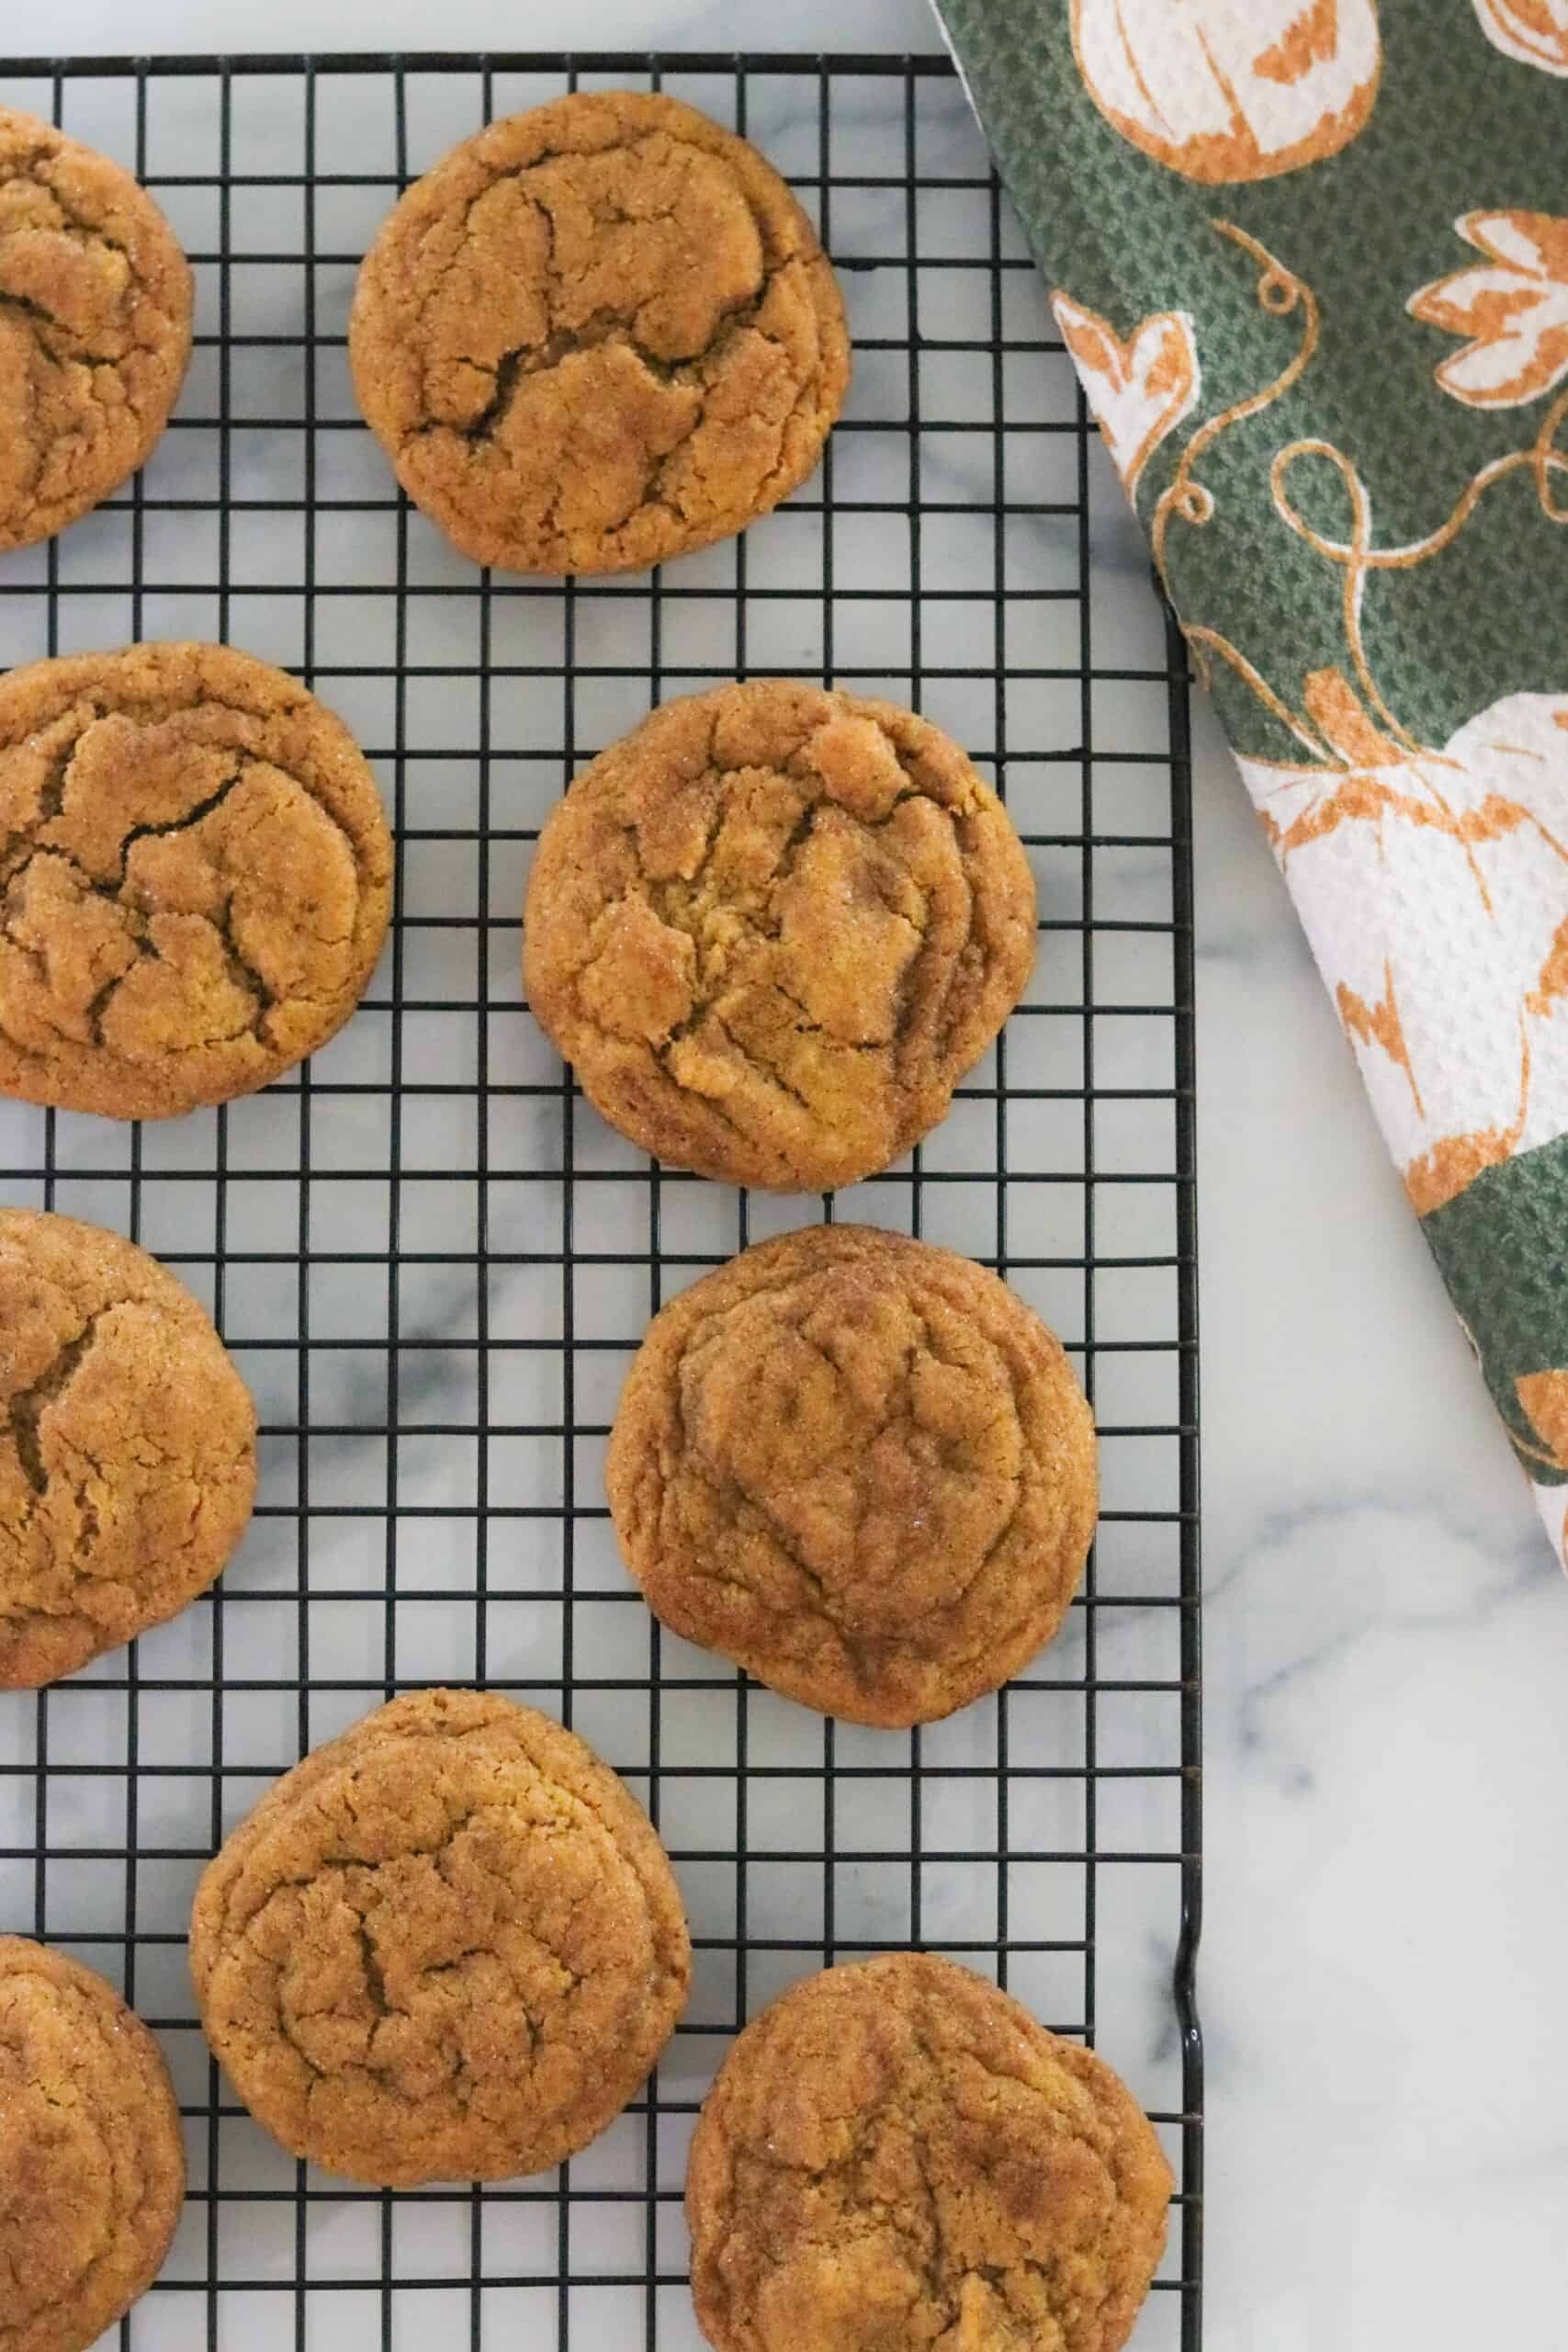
(433, 1263)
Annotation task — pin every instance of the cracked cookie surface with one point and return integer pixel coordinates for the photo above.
(598, 334)
(895, 2154)
(858, 1466)
(91, 2162)
(772, 927)
(447, 1946)
(95, 327)
(127, 1445)
(194, 878)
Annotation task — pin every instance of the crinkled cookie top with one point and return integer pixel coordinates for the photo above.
(92, 2163)
(598, 334)
(860, 1466)
(95, 327)
(194, 877)
(896, 2155)
(447, 1946)
(772, 927)
(127, 1445)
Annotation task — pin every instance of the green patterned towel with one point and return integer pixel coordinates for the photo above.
(1311, 259)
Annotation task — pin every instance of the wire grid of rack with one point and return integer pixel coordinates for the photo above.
(433, 1263)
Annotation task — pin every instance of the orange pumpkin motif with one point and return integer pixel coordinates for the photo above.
(1433, 885)
(1535, 31)
(1227, 90)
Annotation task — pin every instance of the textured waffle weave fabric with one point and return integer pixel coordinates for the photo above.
(1311, 260)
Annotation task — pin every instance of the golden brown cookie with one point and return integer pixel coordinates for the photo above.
(858, 1466)
(91, 2162)
(896, 2155)
(95, 327)
(194, 878)
(772, 927)
(128, 1451)
(447, 1946)
(597, 335)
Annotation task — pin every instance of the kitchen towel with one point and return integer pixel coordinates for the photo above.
(1311, 260)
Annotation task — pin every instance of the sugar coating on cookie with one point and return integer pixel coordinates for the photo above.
(95, 327)
(447, 1946)
(895, 2153)
(598, 334)
(91, 2162)
(127, 1445)
(860, 1466)
(194, 877)
(772, 927)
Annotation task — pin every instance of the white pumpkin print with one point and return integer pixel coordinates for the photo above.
(1229, 90)
(1433, 890)
(1535, 31)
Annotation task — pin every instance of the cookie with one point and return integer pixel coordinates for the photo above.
(598, 334)
(128, 1447)
(94, 328)
(194, 878)
(860, 1467)
(896, 2155)
(447, 1946)
(772, 927)
(91, 2162)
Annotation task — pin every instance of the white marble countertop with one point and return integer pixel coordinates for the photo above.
(1382, 1978)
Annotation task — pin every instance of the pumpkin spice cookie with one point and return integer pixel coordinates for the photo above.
(896, 2154)
(194, 878)
(128, 1446)
(858, 1466)
(772, 927)
(94, 328)
(91, 2162)
(597, 335)
(447, 1946)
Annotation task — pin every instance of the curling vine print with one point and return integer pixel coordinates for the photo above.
(1337, 395)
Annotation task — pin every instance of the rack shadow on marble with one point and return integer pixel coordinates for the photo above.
(434, 1263)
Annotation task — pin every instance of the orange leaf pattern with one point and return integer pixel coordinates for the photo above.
(1514, 307)
(1139, 389)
